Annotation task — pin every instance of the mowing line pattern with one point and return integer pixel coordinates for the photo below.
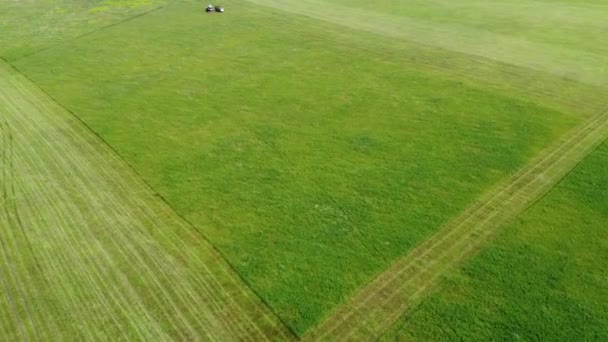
(557, 60)
(374, 308)
(87, 250)
(563, 94)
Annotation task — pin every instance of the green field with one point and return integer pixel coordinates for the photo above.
(543, 279)
(316, 144)
(31, 26)
(88, 252)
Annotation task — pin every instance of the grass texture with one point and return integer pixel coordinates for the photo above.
(314, 143)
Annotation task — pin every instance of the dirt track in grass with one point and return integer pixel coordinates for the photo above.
(373, 309)
(87, 250)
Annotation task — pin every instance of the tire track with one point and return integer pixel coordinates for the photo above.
(75, 166)
(12, 310)
(118, 261)
(217, 285)
(12, 218)
(18, 303)
(59, 219)
(55, 219)
(377, 306)
(20, 236)
(68, 289)
(60, 164)
(66, 129)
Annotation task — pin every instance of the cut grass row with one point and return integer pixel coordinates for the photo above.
(301, 160)
(560, 93)
(89, 252)
(580, 64)
(369, 313)
(561, 23)
(543, 278)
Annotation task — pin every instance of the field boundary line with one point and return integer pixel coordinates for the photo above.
(375, 307)
(290, 334)
(552, 58)
(57, 148)
(577, 105)
(67, 41)
(101, 199)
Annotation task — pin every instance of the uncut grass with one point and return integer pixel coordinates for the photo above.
(562, 94)
(575, 24)
(512, 46)
(376, 307)
(30, 26)
(310, 166)
(88, 252)
(543, 278)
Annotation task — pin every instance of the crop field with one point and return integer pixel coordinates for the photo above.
(303, 169)
(84, 251)
(543, 278)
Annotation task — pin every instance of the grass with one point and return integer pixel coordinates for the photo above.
(31, 26)
(542, 279)
(311, 166)
(314, 143)
(499, 33)
(88, 251)
(561, 93)
(560, 24)
(401, 287)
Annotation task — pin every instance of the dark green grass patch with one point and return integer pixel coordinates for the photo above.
(310, 165)
(543, 279)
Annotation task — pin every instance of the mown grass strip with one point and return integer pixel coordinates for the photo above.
(374, 308)
(89, 251)
(355, 144)
(549, 58)
(561, 93)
